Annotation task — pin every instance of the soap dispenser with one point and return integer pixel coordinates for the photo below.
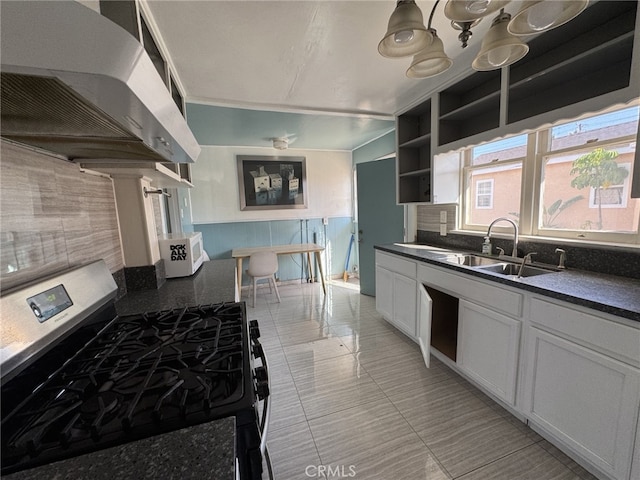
(486, 246)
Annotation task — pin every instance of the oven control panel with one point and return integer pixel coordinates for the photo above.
(46, 304)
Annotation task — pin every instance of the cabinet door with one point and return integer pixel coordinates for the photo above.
(384, 292)
(635, 463)
(585, 399)
(488, 346)
(404, 304)
(424, 323)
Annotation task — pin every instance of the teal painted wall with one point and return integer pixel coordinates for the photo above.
(379, 147)
(220, 238)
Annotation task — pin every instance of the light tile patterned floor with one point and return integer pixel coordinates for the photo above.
(353, 399)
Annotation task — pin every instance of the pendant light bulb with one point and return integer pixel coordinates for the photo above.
(499, 56)
(406, 34)
(543, 15)
(499, 47)
(536, 16)
(403, 36)
(477, 7)
(470, 10)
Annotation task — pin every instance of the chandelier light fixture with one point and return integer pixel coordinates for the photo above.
(407, 36)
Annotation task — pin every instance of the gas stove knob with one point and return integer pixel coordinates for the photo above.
(261, 374)
(254, 330)
(258, 351)
(262, 390)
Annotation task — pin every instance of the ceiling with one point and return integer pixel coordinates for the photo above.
(215, 125)
(314, 63)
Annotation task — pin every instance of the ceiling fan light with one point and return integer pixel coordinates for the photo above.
(280, 143)
(499, 47)
(406, 34)
(468, 10)
(431, 61)
(537, 16)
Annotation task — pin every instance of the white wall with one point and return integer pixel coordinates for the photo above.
(215, 196)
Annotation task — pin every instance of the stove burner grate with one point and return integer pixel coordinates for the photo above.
(142, 375)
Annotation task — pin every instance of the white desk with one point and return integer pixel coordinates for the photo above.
(241, 253)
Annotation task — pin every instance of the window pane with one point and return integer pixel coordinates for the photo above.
(603, 127)
(507, 149)
(494, 192)
(596, 196)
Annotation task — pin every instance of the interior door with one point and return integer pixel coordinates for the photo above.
(424, 322)
(380, 219)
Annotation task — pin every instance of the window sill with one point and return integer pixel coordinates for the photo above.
(554, 240)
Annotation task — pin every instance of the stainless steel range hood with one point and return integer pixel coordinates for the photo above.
(76, 84)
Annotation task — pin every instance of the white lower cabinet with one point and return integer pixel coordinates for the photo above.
(586, 400)
(404, 304)
(635, 463)
(488, 349)
(396, 292)
(572, 372)
(384, 292)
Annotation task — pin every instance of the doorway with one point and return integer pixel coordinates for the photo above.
(380, 218)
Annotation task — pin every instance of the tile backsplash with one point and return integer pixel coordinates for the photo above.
(52, 217)
(621, 261)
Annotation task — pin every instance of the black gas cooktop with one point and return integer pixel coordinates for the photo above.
(128, 378)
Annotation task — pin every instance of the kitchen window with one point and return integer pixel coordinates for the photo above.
(571, 180)
(493, 175)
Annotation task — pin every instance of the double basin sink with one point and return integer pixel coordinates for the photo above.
(500, 265)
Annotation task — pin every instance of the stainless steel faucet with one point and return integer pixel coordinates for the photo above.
(563, 258)
(514, 253)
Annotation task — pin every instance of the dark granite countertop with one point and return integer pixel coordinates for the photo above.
(203, 451)
(214, 282)
(618, 296)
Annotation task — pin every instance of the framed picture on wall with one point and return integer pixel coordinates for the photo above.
(267, 183)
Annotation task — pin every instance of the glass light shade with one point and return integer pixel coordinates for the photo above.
(469, 10)
(406, 34)
(539, 16)
(499, 47)
(431, 61)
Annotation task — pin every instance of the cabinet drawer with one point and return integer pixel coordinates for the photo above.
(396, 264)
(496, 297)
(603, 335)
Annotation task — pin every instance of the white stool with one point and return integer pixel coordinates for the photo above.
(263, 265)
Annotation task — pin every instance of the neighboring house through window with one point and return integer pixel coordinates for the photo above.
(613, 196)
(484, 193)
